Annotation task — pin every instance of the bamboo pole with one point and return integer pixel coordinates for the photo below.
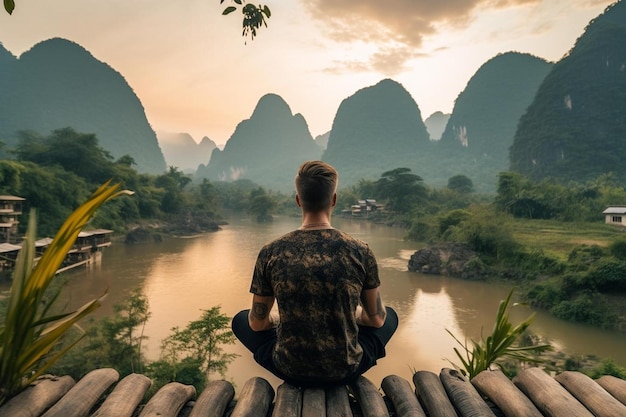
(213, 400)
(38, 397)
(288, 401)
(314, 402)
(83, 396)
(592, 395)
(615, 386)
(402, 396)
(463, 395)
(169, 400)
(337, 402)
(432, 395)
(125, 398)
(502, 392)
(255, 399)
(368, 397)
(548, 395)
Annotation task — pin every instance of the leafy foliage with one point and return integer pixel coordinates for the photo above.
(253, 16)
(501, 343)
(401, 189)
(202, 340)
(31, 329)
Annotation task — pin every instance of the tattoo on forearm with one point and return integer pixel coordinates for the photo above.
(380, 309)
(259, 311)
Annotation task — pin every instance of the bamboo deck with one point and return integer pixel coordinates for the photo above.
(533, 393)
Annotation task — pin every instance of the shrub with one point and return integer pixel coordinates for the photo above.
(587, 308)
(607, 276)
(607, 367)
(545, 295)
(618, 249)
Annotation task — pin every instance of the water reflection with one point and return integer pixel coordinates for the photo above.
(181, 277)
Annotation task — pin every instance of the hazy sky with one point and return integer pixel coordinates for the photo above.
(194, 72)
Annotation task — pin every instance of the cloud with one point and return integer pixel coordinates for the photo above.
(397, 27)
(403, 21)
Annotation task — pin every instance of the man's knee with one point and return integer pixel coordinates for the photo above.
(391, 321)
(240, 322)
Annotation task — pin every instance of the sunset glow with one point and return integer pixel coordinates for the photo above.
(194, 72)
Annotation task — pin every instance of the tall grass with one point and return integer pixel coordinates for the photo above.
(31, 330)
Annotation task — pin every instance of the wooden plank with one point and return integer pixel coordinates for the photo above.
(463, 395)
(79, 401)
(548, 395)
(288, 401)
(255, 399)
(591, 395)
(314, 402)
(494, 385)
(614, 386)
(432, 395)
(38, 397)
(169, 400)
(402, 396)
(337, 402)
(125, 398)
(369, 399)
(214, 399)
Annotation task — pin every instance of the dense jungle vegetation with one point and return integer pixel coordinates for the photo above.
(546, 238)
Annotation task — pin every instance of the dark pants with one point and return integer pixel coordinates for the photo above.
(261, 344)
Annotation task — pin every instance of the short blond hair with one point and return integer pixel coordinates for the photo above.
(316, 183)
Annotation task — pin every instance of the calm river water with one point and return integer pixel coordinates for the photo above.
(182, 276)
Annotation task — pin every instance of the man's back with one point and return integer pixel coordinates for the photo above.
(317, 277)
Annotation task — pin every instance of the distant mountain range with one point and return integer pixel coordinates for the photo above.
(267, 148)
(182, 151)
(436, 124)
(57, 84)
(565, 120)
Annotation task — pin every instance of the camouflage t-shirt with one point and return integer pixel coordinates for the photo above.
(317, 277)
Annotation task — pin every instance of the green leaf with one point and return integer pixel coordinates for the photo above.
(238, 2)
(229, 10)
(9, 6)
(267, 12)
(29, 335)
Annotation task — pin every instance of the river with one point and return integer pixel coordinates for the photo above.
(182, 276)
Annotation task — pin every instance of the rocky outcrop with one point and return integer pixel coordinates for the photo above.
(451, 259)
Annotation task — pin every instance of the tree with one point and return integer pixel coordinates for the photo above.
(197, 346)
(75, 152)
(261, 203)
(461, 183)
(401, 189)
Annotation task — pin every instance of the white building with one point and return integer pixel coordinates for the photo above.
(615, 215)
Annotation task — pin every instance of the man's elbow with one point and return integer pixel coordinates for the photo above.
(378, 321)
(375, 320)
(257, 325)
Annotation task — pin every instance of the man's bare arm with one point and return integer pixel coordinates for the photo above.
(373, 312)
(260, 316)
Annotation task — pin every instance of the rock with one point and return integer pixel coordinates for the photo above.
(451, 259)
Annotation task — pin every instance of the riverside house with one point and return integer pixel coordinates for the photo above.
(615, 215)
